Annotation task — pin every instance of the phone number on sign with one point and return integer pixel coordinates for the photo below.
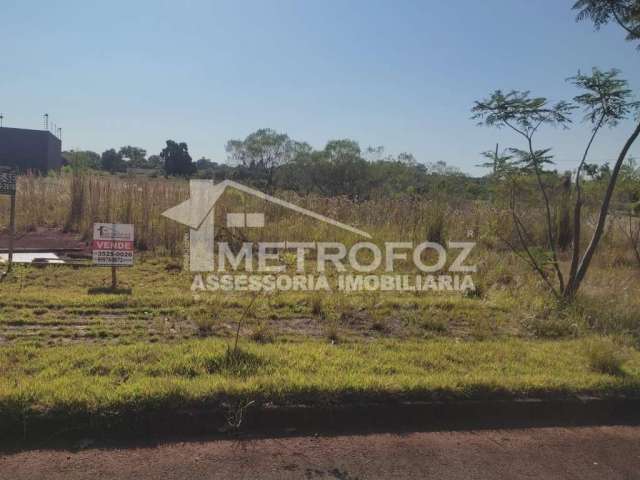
(112, 257)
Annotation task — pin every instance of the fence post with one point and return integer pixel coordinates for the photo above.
(12, 230)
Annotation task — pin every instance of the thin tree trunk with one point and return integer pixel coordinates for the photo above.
(577, 212)
(602, 219)
(550, 224)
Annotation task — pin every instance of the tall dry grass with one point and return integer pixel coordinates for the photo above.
(73, 202)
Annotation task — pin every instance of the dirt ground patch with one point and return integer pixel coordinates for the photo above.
(45, 239)
(585, 453)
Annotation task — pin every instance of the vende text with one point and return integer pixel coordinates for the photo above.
(112, 245)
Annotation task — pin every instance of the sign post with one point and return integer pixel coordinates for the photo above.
(113, 247)
(8, 187)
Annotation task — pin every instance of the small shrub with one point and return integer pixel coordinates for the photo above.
(604, 356)
(207, 316)
(262, 334)
(379, 326)
(233, 362)
(239, 362)
(434, 324)
(435, 231)
(205, 322)
(317, 306)
(332, 333)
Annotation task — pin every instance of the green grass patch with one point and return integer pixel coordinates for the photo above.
(113, 378)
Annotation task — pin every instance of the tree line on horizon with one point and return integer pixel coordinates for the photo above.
(272, 161)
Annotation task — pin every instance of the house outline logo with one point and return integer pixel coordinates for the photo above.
(198, 214)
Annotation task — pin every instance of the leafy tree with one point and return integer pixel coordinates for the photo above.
(262, 152)
(625, 13)
(406, 158)
(155, 161)
(375, 154)
(82, 159)
(134, 156)
(344, 170)
(208, 169)
(606, 100)
(528, 162)
(302, 172)
(205, 164)
(177, 160)
(112, 161)
(340, 169)
(498, 162)
(395, 176)
(591, 169)
(441, 168)
(342, 150)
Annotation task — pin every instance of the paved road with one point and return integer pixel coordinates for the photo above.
(555, 453)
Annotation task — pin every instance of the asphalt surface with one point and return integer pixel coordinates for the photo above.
(550, 453)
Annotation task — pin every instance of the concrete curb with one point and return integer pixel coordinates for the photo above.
(274, 420)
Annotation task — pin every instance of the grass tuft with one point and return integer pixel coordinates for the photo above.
(317, 306)
(605, 356)
(333, 332)
(262, 334)
(205, 322)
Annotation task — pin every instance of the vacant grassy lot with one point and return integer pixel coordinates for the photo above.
(64, 348)
(67, 345)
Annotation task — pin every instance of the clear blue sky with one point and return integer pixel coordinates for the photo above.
(402, 74)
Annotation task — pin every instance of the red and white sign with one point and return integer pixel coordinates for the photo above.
(113, 244)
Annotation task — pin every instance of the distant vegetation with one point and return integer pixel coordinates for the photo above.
(272, 161)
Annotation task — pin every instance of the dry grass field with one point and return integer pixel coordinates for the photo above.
(69, 344)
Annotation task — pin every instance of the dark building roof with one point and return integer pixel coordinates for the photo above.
(30, 149)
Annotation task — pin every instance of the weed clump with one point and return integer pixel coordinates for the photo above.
(433, 324)
(604, 356)
(553, 322)
(235, 362)
(317, 305)
(379, 326)
(262, 334)
(205, 323)
(207, 317)
(333, 333)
